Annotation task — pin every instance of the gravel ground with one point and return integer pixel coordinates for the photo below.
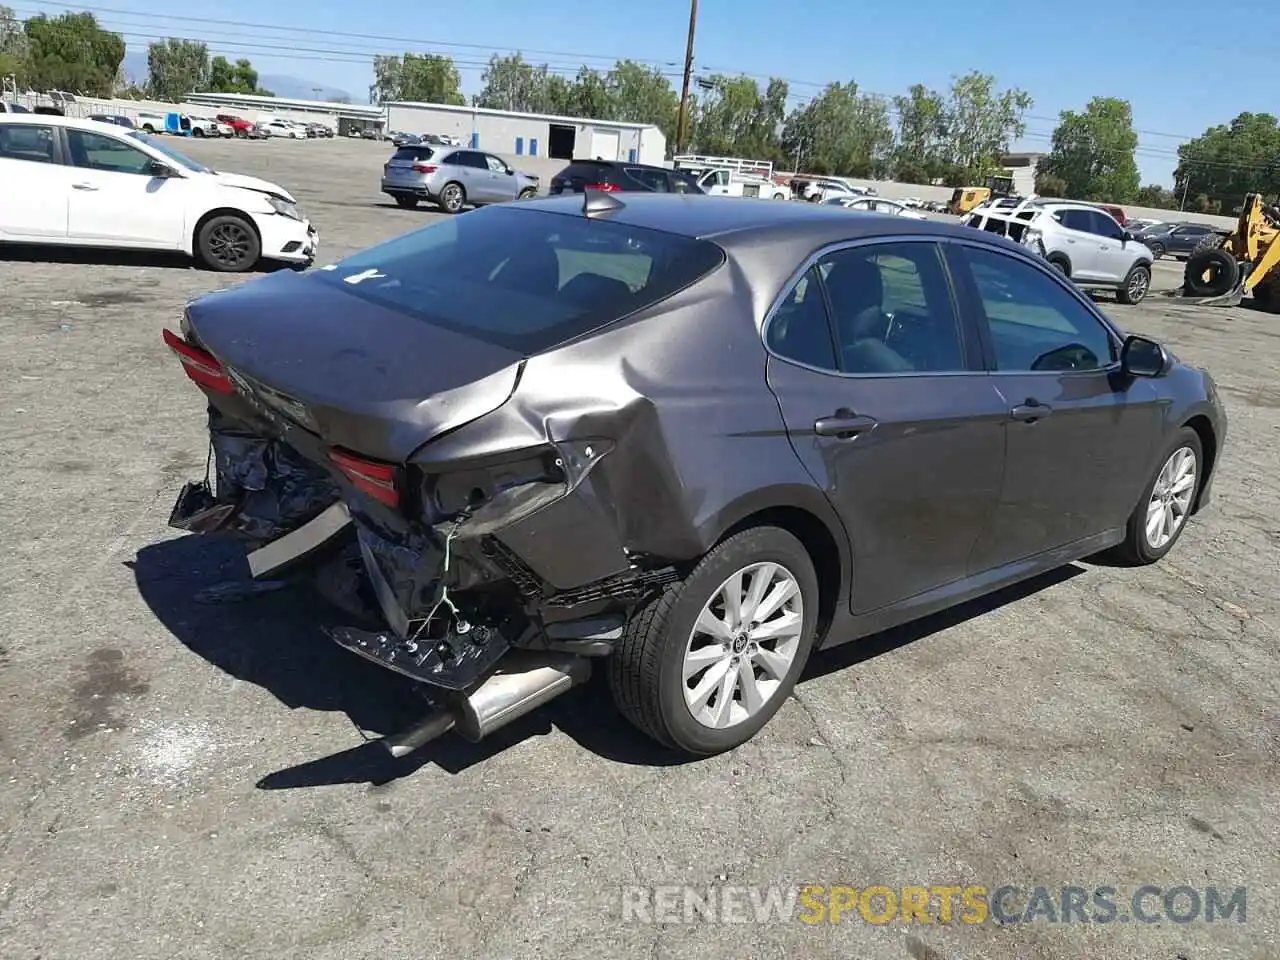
(189, 779)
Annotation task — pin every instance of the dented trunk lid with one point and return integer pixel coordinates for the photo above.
(360, 375)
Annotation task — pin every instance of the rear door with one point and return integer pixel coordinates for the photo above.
(885, 402)
(1079, 435)
(1185, 238)
(34, 184)
(1079, 242)
(1114, 256)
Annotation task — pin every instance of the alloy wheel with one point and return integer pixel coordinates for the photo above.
(742, 645)
(1138, 284)
(229, 244)
(1170, 501)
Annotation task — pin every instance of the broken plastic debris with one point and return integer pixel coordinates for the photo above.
(233, 591)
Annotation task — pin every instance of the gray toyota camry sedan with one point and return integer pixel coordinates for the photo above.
(684, 440)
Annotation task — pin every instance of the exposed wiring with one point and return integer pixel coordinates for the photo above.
(424, 622)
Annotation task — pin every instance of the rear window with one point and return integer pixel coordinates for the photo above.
(414, 153)
(524, 279)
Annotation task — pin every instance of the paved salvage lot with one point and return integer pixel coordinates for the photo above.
(188, 778)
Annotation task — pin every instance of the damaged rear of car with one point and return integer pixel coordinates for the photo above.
(455, 434)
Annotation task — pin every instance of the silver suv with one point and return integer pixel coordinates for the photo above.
(1085, 243)
(452, 178)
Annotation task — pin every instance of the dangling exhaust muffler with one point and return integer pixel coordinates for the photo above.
(525, 681)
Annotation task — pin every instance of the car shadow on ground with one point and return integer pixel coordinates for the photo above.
(273, 640)
(95, 256)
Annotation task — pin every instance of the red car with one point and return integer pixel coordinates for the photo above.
(1115, 212)
(243, 128)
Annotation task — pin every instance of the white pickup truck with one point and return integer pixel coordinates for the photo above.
(729, 183)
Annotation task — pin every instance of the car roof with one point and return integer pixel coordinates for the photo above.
(50, 120)
(733, 220)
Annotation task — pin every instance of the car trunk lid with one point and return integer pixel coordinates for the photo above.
(361, 376)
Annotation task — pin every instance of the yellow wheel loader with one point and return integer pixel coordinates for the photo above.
(1223, 269)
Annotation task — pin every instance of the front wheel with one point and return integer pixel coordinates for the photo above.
(1136, 285)
(528, 193)
(228, 244)
(707, 663)
(1167, 500)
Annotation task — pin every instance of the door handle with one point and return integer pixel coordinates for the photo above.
(1030, 412)
(843, 425)
(83, 186)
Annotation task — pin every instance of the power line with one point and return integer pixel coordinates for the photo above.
(236, 43)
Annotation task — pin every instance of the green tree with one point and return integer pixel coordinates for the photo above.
(981, 123)
(735, 118)
(176, 68)
(641, 94)
(1226, 162)
(588, 96)
(1156, 196)
(422, 78)
(238, 77)
(511, 83)
(920, 155)
(1092, 152)
(71, 52)
(13, 47)
(841, 133)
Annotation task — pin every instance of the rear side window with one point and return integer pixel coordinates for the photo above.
(655, 180)
(413, 154)
(20, 141)
(524, 279)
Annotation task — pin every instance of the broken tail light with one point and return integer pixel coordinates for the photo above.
(201, 367)
(378, 480)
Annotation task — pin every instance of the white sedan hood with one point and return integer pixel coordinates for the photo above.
(253, 183)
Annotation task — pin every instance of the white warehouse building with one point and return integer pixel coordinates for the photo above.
(532, 134)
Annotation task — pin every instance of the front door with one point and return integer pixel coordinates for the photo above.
(1080, 435)
(887, 407)
(115, 198)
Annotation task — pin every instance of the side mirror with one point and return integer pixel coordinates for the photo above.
(1140, 357)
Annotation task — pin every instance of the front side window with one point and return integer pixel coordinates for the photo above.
(23, 141)
(97, 152)
(1036, 324)
(523, 279)
(892, 310)
(495, 165)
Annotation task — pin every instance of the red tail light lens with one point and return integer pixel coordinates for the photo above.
(200, 366)
(424, 168)
(378, 480)
(606, 187)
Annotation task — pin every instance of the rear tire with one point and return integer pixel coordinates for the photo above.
(1140, 547)
(1136, 285)
(1221, 266)
(228, 244)
(656, 668)
(452, 198)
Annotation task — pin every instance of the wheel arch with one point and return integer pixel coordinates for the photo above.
(193, 238)
(1057, 256)
(808, 517)
(1203, 427)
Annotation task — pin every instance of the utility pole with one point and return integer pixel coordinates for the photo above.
(688, 70)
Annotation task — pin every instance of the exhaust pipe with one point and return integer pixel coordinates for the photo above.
(525, 681)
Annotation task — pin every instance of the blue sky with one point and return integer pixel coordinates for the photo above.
(1062, 54)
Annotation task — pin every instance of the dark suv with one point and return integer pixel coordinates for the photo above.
(613, 176)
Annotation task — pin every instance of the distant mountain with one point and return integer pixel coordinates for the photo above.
(282, 85)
